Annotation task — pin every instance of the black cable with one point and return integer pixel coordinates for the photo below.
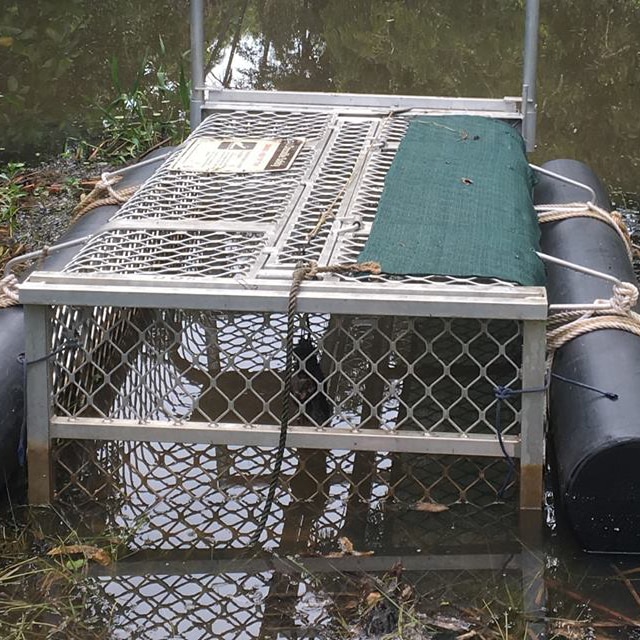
(504, 393)
(285, 415)
(71, 343)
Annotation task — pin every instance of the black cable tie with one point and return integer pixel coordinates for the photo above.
(607, 394)
(501, 394)
(70, 343)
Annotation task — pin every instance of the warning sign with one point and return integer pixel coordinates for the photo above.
(238, 155)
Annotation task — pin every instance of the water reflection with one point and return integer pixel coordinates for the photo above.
(56, 61)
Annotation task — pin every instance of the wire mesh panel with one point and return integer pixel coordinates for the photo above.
(169, 496)
(394, 374)
(306, 603)
(163, 497)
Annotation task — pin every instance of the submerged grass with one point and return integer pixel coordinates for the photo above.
(46, 590)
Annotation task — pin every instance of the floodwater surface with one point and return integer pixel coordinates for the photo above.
(61, 62)
(358, 551)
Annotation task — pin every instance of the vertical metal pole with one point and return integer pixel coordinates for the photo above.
(197, 62)
(534, 593)
(37, 347)
(532, 415)
(531, 28)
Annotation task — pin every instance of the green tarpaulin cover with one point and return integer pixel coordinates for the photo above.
(458, 201)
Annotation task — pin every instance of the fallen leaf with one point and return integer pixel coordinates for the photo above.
(346, 549)
(448, 623)
(346, 546)
(88, 551)
(430, 507)
(373, 598)
(406, 593)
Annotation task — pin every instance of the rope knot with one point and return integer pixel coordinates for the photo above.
(503, 393)
(9, 291)
(624, 298)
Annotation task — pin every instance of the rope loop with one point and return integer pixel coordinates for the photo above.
(9, 291)
(103, 193)
(616, 312)
(557, 212)
(624, 298)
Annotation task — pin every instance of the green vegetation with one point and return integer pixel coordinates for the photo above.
(149, 113)
(45, 589)
(12, 193)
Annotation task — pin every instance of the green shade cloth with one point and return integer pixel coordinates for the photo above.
(458, 201)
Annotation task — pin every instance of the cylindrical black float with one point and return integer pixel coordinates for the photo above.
(11, 389)
(596, 439)
(12, 327)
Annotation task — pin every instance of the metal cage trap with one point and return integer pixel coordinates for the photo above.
(168, 325)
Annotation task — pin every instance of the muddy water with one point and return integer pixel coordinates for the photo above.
(57, 62)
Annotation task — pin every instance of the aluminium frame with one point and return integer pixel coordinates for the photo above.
(204, 97)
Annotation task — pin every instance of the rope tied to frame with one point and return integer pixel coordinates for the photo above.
(8, 291)
(613, 313)
(303, 271)
(104, 194)
(566, 326)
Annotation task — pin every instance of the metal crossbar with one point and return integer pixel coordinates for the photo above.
(204, 98)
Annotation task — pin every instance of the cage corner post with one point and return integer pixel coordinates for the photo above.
(38, 404)
(197, 62)
(532, 446)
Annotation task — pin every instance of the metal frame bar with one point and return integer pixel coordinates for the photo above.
(566, 180)
(529, 72)
(260, 435)
(243, 98)
(459, 301)
(186, 564)
(37, 348)
(197, 61)
(532, 415)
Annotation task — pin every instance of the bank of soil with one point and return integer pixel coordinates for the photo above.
(49, 194)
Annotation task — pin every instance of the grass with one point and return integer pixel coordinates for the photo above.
(147, 113)
(46, 590)
(12, 194)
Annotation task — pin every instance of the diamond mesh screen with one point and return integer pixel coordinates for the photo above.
(197, 496)
(395, 374)
(203, 500)
(296, 604)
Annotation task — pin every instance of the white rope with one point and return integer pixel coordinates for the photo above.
(624, 298)
(574, 320)
(557, 212)
(9, 291)
(107, 181)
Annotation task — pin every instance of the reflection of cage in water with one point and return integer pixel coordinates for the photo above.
(178, 309)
